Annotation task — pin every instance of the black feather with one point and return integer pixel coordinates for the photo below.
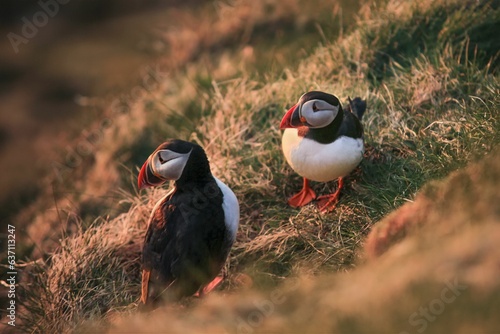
(357, 107)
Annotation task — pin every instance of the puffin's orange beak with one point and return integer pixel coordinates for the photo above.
(142, 181)
(147, 178)
(286, 121)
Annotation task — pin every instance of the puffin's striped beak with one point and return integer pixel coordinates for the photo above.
(147, 178)
(290, 119)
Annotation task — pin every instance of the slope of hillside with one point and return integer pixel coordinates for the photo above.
(429, 70)
(90, 164)
(203, 44)
(441, 278)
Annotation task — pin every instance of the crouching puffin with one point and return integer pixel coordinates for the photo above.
(190, 230)
(322, 142)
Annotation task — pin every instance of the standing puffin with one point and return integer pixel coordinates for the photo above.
(322, 142)
(190, 230)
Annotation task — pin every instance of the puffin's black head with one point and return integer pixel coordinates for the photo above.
(315, 109)
(175, 160)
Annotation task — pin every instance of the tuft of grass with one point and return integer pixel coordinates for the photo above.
(90, 274)
(432, 108)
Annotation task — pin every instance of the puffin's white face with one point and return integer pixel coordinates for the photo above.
(169, 164)
(318, 113)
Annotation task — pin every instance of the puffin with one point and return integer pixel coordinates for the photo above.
(190, 230)
(322, 142)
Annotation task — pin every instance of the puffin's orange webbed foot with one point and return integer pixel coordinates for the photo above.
(209, 287)
(303, 197)
(327, 203)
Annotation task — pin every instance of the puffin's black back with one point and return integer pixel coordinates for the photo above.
(185, 244)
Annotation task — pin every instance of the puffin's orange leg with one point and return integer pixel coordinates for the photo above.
(145, 286)
(209, 287)
(327, 203)
(303, 197)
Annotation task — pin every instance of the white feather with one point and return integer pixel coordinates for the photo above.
(321, 162)
(231, 208)
(324, 114)
(173, 163)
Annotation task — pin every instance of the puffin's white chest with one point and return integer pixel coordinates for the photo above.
(231, 209)
(321, 162)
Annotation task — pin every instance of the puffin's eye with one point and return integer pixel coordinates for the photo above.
(160, 158)
(314, 107)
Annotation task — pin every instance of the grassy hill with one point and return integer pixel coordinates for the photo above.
(429, 71)
(202, 43)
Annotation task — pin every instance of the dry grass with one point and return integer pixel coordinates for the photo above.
(206, 44)
(441, 278)
(76, 281)
(432, 108)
